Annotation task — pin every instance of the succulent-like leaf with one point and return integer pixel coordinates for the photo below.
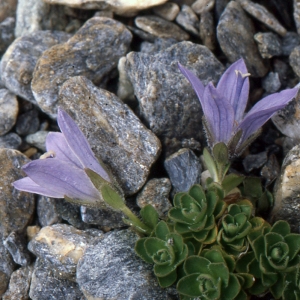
(141, 250)
(149, 216)
(231, 181)
(167, 280)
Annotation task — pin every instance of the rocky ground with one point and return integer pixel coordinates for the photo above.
(112, 65)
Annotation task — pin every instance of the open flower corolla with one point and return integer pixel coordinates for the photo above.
(224, 107)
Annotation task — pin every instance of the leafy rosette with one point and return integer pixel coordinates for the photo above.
(235, 228)
(166, 250)
(274, 258)
(194, 214)
(292, 286)
(210, 276)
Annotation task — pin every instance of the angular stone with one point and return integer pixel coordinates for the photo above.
(254, 161)
(269, 44)
(10, 140)
(207, 30)
(110, 269)
(263, 15)
(289, 42)
(18, 62)
(60, 246)
(160, 27)
(114, 132)
(7, 9)
(19, 284)
(6, 33)
(167, 102)
(9, 109)
(120, 7)
(6, 267)
(287, 191)
(28, 122)
(17, 207)
(184, 169)
(201, 6)
(271, 170)
(47, 211)
(271, 83)
(188, 20)
(159, 44)
(167, 11)
(294, 60)
(88, 53)
(156, 192)
(37, 140)
(235, 33)
(46, 285)
(34, 15)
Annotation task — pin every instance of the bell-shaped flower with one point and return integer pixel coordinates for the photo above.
(63, 171)
(224, 107)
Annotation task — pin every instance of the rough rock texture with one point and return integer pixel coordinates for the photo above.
(7, 35)
(269, 44)
(116, 135)
(173, 114)
(47, 211)
(295, 60)
(87, 53)
(167, 11)
(235, 33)
(6, 268)
(207, 30)
(7, 9)
(16, 207)
(18, 62)
(110, 269)
(188, 20)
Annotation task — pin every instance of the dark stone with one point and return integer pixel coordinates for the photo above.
(47, 211)
(158, 45)
(6, 34)
(6, 267)
(207, 30)
(271, 83)
(254, 161)
(188, 20)
(10, 141)
(28, 123)
(269, 44)
(289, 42)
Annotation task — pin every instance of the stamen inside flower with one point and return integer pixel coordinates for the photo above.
(242, 75)
(48, 154)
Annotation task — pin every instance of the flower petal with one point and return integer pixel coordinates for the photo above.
(220, 117)
(234, 86)
(28, 185)
(79, 144)
(56, 142)
(62, 177)
(263, 110)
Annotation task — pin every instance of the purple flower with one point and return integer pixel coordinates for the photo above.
(224, 107)
(62, 171)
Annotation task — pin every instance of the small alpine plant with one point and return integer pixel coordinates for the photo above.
(211, 245)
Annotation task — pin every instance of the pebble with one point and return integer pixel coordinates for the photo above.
(145, 36)
(255, 161)
(201, 6)
(207, 30)
(269, 44)
(17, 207)
(47, 211)
(271, 170)
(296, 14)
(220, 6)
(18, 62)
(294, 60)
(271, 83)
(9, 109)
(28, 122)
(110, 269)
(10, 140)
(19, 284)
(167, 11)
(159, 44)
(263, 15)
(161, 104)
(37, 139)
(91, 45)
(160, 27)
(114, 132)
(188, 20)
(184, 169)
(289, 42)
(7, 9)
(59, 247)
(286, 191)
(156, 192)
(237, 41)
(6, 267)
(7, 35)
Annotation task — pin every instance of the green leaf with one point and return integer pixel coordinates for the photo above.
(167, 280)
(232, 289)
(197, 192)
(149, 215)
(219, 270)
(220, 153)
(210, 164)
(162, 230)
(141, 250)
(177, 197)
(231, 181)
(112, 197)
(281, 227)
(242, 264)
(196, 264)
(293, 240)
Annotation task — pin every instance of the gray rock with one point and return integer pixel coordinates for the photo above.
(17, 207)
(296, 14)
(47, 211)
(142, 34)
(284, 71)
(19, 60)
(254, 161)
(271, 170)
(236, 39)
(160, 27)
(59, 247)
(294, 60)
(263, 15)
(269, 44)
(286, 191)
(91, 46)
(116, 135)
(289, 42)
(184, 169)
(37, 139)
(45, 285)
(6, 267)
(16, 244)
(10, 140)
(201, 6)
(167, 11)
(33, 15)
(271, 83)
(9, 109)
(110, 269)
(6, 33)
(167, 102)
(207, 30)
(28, 122)
(188, 20)
(156, 192)
(219, 7)
(19, 284)
(7, 9)
(158, 45)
